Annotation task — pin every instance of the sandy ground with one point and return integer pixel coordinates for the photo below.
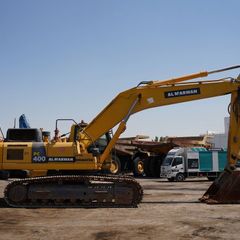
(168, 211)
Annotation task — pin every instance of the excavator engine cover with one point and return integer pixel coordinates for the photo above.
(224, 190)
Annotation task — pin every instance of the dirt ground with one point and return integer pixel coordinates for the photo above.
(168, 211)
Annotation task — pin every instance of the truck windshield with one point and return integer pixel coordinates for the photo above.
(167, 161)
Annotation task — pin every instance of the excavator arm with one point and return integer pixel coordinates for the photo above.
(234, 130)
(154, 94)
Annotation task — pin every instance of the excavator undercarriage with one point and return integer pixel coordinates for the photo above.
(74, 191)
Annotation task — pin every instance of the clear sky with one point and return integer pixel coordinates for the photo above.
(69, 59)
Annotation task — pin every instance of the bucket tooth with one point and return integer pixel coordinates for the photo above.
(224, 190)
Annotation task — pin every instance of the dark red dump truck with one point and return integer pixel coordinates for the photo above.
(141, 156)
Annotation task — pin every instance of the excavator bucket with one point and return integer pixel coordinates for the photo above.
(224, 190)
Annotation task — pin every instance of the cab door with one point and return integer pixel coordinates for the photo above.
(178, 164)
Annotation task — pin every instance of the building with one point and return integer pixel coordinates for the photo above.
(220, 140)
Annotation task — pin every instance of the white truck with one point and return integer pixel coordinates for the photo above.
(181, 163)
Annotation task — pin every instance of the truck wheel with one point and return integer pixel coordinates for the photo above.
(171, 179)
(155, 165)
(152, 166)
(180, 177)
(146, 165)
(138, 167)
(115, 166)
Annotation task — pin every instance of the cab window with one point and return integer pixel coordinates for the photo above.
(177, 161)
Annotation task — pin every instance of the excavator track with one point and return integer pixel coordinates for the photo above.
(68, 191)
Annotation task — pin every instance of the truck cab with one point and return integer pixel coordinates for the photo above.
(173, 165)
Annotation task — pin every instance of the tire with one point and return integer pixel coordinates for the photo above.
(138, 167)
(115, 166)
(171, 179)
(155, 164)
(180, 177)
(152, 166)
(146, 164)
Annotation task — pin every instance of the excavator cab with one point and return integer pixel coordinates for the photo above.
(100, 144)
(24, 135)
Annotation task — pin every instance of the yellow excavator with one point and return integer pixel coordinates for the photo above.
(77, 159)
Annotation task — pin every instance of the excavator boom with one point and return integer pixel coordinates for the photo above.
(151, 96)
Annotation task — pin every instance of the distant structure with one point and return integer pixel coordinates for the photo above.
(194, 141)
(220, 140)
(208, 140)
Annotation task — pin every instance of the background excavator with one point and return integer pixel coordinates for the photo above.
(79, 154)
